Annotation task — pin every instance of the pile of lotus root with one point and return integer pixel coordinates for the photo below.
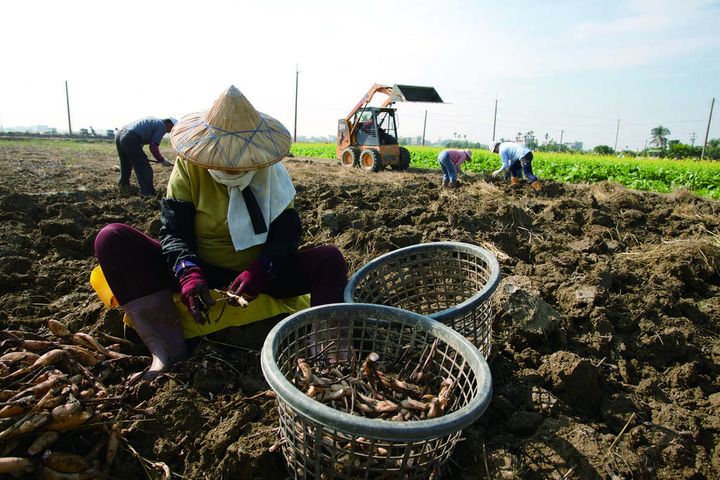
(53, 404)
(373, 390)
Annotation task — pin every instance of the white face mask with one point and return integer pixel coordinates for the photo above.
(240, 180)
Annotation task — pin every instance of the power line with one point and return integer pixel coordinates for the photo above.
(578, 129)
(527, 108)
(518, 122)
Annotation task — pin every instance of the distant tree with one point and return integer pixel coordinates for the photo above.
(659, 136)
(549, 146)
(460, 140)
(713, 149)
(603, 150)
(461, 144)
(681, 150)
(528, 138)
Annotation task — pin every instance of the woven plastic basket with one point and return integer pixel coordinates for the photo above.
(449, 282)
(319, 441)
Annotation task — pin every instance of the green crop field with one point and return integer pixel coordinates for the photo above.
(641, 173)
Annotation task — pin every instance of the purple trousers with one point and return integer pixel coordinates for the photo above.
(134, 267)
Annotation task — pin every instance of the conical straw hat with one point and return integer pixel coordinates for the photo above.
(231, 135)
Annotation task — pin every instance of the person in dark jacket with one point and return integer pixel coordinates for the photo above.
(227, 223)
(130, 140)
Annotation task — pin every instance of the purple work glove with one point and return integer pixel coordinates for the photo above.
(251, 281)
(195, 292)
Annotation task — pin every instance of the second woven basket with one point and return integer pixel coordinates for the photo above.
(450, 282)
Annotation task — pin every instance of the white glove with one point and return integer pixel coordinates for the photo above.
(496, 173)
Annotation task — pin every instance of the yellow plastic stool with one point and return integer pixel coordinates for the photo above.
(99, 283)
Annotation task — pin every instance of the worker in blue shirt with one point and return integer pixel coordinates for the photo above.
(517, 159)
(130, 141)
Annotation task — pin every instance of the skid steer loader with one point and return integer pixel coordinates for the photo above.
(367, 136)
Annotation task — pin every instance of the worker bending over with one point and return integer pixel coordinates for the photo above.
(517, 159)
(130, 141)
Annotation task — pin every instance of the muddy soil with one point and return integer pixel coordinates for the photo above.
(606, 348)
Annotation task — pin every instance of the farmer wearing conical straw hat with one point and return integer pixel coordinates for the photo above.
(228, 223)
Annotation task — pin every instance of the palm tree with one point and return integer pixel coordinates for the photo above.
(659, 136)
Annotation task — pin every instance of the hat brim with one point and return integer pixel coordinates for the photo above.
(205, 145)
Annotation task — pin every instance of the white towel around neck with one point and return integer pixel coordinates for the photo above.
(273, 190)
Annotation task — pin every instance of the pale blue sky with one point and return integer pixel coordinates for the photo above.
(573, 66)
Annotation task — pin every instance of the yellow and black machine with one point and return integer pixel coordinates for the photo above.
(367, 136)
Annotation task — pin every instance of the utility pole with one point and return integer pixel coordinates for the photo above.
(296, 99)
(494, 119)
(707, 132)
(67, 99)
(617, 132)
(424, 124)
(692, 139)
(561, 138)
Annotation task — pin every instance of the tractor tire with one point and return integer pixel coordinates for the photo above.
(404, 161)
(350, 157)
(370, 160)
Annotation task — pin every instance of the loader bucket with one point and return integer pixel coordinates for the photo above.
(411, 93)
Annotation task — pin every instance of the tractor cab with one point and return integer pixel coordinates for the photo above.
(376, 126)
